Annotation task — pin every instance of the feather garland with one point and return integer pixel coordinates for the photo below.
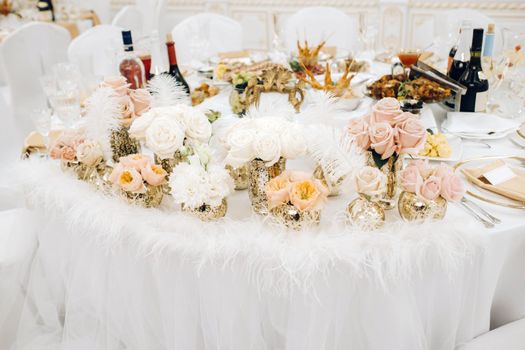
(102, 117)
(166, 91)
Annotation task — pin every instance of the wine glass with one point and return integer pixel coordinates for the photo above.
(41, 118)
(408, 58)
(67, 105)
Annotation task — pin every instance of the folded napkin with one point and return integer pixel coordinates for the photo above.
(477, 123)
(513, 188)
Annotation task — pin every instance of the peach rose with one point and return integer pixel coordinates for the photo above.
(443, 170)
(410, 179)
(141, 100)
(295, 175)
(385, 110)
(452, 188)
(382, 139)
(430, 188)
(403, 117)
(422, 166)
(370, 181)
(135, 161)
(278, 191)
(118, 84)
(127, 110)
(115, 173)
(68, 153)
(411, 136)
(308, 195)
(359, 129)
(153, 174)
(130, 180)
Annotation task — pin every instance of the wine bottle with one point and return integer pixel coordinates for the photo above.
(489, 41)
(131, 66)
(462, 56)
(174, 67)
(46, 5)
(450, 59)
(475, 99)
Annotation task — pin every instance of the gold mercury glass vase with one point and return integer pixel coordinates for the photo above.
(413, 208)
(240, 176)
(259, 176)
(390, 169)
(122, 144)
(365, 213)
(206, 212)
(149, 199)
(334, 188)
(169, 163)
(291, 217)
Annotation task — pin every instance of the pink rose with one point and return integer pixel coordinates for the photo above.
(422, 166)
(430, 188)
(135, 161)
(118, 84)
(403, 117)
(69, 153)
(382, 139)
(66, 144)
(410, 179)
(130, 180)
(385, 110)
(443, 170)
(359, 129)
(127, 110)
(452, 188)
(141, 99)
(370, 181)
(154, 174)
(278, 190)
(411, 136)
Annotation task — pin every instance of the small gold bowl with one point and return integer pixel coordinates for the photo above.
(413, 208)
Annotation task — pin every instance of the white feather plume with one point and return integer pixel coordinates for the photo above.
(320, 107)
(335, 151)
(102, 117)
(166, 91)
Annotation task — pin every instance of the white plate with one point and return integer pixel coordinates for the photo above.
(457, 150)
(474, 136)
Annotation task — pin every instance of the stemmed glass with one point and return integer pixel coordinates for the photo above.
(42, 121)
(408, 58)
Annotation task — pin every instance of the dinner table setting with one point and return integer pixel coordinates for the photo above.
(318, 199)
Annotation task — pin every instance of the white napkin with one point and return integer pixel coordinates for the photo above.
(477, 123)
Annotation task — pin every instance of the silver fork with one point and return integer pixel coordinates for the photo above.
(489, 216)
(486, 223)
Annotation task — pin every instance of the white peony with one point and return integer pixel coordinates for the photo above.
(267, 146)
(140, 124)
(220, 185)
(197, 125)
(189, 185)
(293, 143)
(240, 145)
(164, 136)
(89, 153)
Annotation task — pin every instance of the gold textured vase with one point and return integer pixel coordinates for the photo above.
(149, 199)
(390, 169)
(83, 171)
(334, 188)
(122, 144)
(366, 214)
(169, 163)
(259, 175)
(240, 176)
(291, 217)
(206, 212)
(413, 208)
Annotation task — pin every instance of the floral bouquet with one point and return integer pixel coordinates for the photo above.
(387, 133)
(171, 132)
(84, 157)
(201, 187)
(426, 190)
(139, 180)
(295, 198)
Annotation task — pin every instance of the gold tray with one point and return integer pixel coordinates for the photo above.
(519, 205)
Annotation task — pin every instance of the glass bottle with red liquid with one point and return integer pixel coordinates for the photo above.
(131, 66)
(174, 67)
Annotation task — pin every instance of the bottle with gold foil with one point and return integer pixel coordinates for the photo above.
(475, 99)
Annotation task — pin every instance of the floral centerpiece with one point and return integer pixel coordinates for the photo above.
(386, 134)
(84, 157)
(172, 132)
(295, 199)
(200, 186)
(365, 211)
(264, 144)
(426, 190)
(139, 180)
(131, 104)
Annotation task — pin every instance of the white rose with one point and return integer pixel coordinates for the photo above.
(267, 146)
(293, 144)
(164, 136)
(89, 153)
(370, 181)
(271, 124)
(197, 125)
(174, 112)
(240, 145)
(140, 124)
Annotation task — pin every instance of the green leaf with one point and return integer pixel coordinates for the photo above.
(430, 131)
(377, 159)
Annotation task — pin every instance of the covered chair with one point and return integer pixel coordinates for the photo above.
(130, 18)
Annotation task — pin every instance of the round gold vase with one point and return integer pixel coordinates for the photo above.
(413, 208)
(390, 170)
(122, 144)
(259, 175)
(291, 217)
(366, 214)
(169, 163)
(206, 212)
(149, 199)
(334, 188)
(240, 176)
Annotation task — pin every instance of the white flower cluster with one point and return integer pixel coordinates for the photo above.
(195, 183)
(164, 129)
(267, 138)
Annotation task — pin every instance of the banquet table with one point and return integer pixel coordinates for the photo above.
(100, 274)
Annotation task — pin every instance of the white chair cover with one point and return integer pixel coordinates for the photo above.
(152, 14)
(95, 50)
(130, 17)
(101, 7)
(28, 53)
(205, 35)
(322, 23)
(509, 337)
(11, 138)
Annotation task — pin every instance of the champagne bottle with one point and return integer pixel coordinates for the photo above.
(475, 99)
(462, 56)
(131, 67)
(174, 67)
